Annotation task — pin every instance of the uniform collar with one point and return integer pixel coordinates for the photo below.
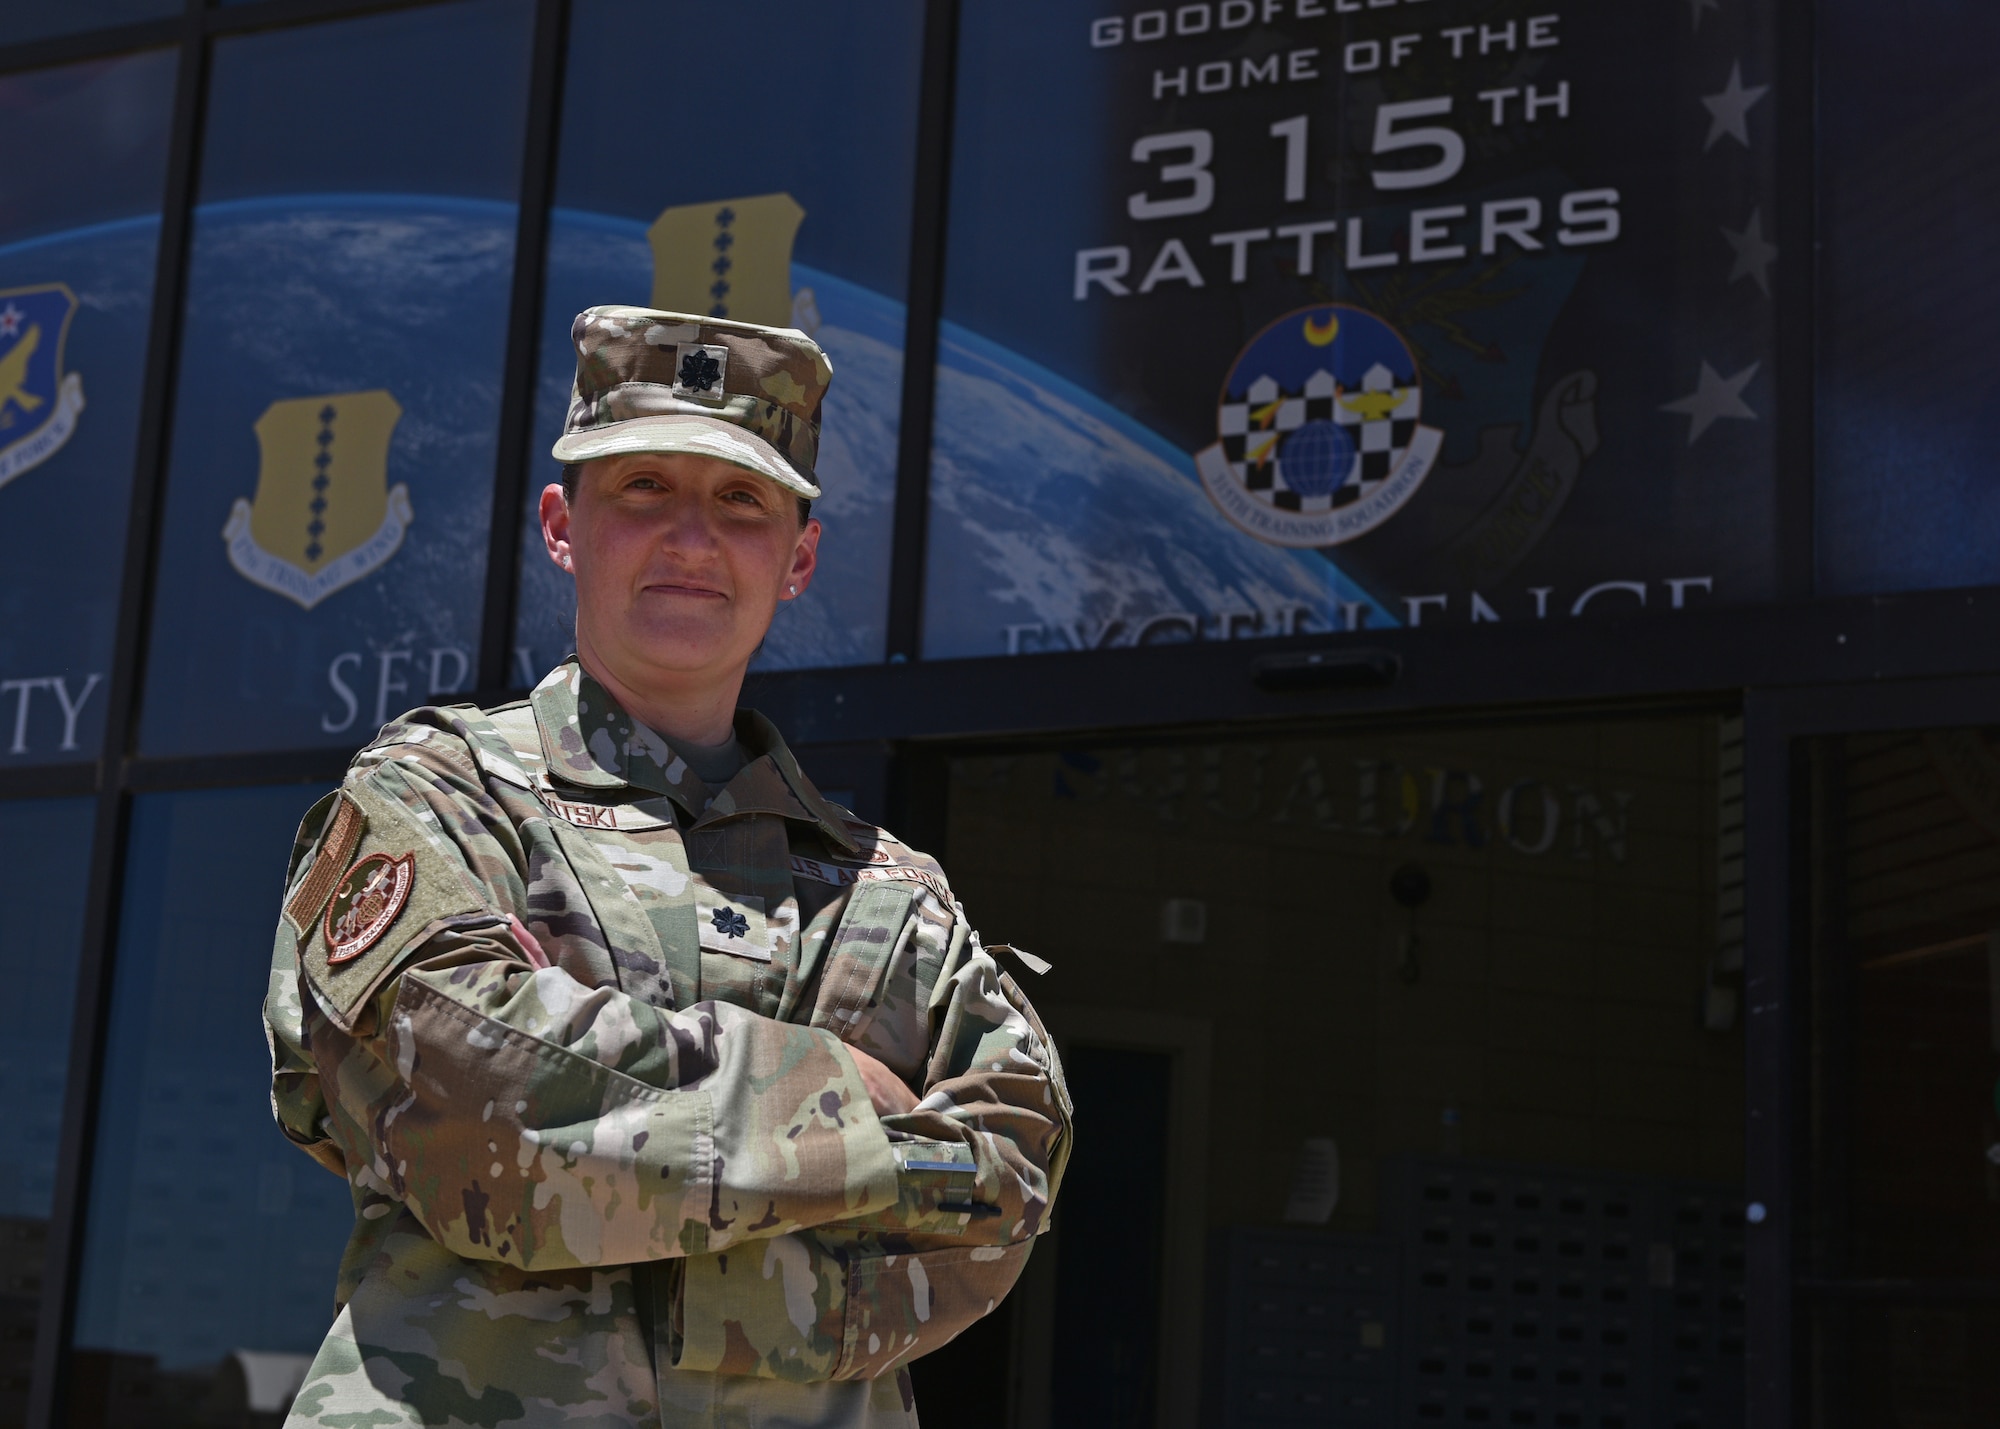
(590, 741)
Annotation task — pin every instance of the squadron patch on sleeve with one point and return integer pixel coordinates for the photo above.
(365, 903)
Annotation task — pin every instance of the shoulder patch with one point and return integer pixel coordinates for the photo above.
(336, 847)
(401, 885)
(367, 900)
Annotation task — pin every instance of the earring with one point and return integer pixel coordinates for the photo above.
(793, 589)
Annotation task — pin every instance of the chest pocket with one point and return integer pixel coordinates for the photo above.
(638, 885)
(625, 865)
(856, 968)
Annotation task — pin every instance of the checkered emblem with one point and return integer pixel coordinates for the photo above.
(1319, 437)
(1319, 448)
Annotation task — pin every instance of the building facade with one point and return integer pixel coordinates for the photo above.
(1429, 555)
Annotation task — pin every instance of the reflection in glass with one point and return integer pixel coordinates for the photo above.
(1909, 426)
(1903, 1255)
(79, 223)
(209, 1263)
(1475, 1123)
(790, 222)
(45, 852)
(332, 464)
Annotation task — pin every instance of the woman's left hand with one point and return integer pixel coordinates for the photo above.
(885, 1089)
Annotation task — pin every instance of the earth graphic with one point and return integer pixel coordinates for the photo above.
(1049, 508)
(1052, 512)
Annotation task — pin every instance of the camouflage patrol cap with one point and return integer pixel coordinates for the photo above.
(648, 381)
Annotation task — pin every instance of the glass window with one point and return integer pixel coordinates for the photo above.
(1297, 320)
(1909, 429)
(79, 225)
(1901, 1252)
(39, 22)
(45, 850)
(801, 216)
(1466, 1129)
(322, 558)
(212, 1242)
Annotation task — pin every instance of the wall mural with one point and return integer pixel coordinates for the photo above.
(1310, 315)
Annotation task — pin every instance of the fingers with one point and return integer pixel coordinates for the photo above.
(885, 1089)
(529, 943)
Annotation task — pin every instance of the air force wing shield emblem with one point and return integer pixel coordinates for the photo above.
(39, 402)
(324, 515)
(729, 259)
(1319, 437)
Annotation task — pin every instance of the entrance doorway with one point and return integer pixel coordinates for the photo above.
(1471, 1004)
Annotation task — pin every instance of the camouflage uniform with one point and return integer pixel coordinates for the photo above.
(620, 1169)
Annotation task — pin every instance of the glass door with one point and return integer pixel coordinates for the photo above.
(1898, 1243)
(1471, 994)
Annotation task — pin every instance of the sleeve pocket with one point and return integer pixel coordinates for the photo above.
(772, 1309)
(903, 1306)
(785, 1308)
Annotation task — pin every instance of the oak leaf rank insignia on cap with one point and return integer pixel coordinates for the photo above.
(699, 374)
(653, 381)
(365, 903)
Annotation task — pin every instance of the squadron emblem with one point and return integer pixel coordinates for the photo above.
(367, 901)
(1319, 434)
(39, 402)
(324, 514)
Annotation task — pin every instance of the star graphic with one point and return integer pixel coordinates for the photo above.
(1714, 397)
(1701, 5)
(1754, 252)
(1728, 111)
(10, 320)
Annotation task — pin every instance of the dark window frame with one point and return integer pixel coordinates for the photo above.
(1778, 727)
(1799, 667)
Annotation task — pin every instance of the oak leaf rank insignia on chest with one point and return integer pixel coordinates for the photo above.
(737, 924)
(365, 902)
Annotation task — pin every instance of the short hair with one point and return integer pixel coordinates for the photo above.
(573, 470)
